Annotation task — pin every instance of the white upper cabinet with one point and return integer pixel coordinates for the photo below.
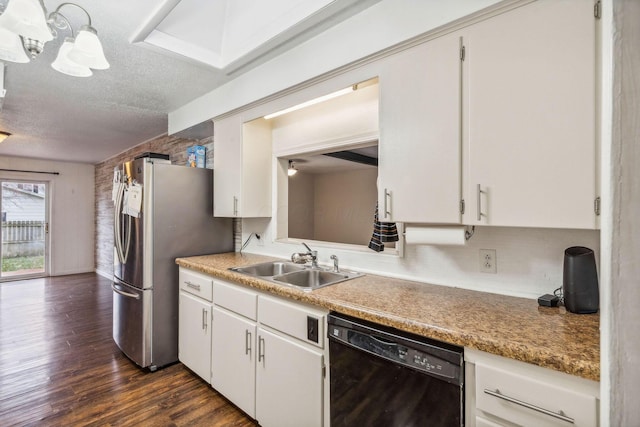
(242, 168)
(530, 117)
(419, 174)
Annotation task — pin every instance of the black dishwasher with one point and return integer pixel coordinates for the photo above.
(380, 376)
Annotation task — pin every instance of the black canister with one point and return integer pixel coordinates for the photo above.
(580, 281)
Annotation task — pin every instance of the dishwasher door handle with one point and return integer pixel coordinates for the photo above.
(383, 341)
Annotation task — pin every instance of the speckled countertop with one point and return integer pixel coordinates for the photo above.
(507, 326)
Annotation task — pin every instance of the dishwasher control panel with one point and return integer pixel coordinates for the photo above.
(385, 346)
(432, 364)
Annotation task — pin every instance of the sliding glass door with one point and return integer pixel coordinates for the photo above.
(25, 229)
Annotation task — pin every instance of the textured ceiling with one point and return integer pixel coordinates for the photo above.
(58, 117)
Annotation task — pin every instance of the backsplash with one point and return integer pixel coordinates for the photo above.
(529, 260)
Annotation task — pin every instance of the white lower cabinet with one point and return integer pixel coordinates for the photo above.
(265, 354)
(505, 392)
(194, 322)
(482, 422)
(289, 382)
(194, 335)
(233, 367)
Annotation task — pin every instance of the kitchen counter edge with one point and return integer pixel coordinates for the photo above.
(474, 325)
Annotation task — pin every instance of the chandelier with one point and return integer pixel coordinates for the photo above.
(25, 27)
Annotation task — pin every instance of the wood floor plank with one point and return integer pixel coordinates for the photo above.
(59, 365)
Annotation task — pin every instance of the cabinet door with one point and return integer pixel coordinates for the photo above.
(483, 422)
(256, 169)
(227, 167)
(233, 369)
(420, 145)
(194, 335)
(531, 92)
(289, 378)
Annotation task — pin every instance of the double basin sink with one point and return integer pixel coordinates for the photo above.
(296, 275)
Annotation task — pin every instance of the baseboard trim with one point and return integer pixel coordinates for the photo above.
(104, 274)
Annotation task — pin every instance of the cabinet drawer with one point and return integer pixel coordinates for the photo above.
(303, 323)
(196, 284)
(237, 299)
(525, 401)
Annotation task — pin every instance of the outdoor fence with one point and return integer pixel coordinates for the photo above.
(22, 238)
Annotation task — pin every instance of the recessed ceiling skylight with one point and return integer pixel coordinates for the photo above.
(222, 32)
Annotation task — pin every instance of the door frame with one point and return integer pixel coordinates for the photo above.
(47, 220)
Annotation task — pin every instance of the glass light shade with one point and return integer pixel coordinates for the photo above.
(11, 47)
(64, 65)
(292, 169)
(26, 18)
(87, 49)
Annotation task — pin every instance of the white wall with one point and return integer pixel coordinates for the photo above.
(334, 207)
(344, 206)
(71, 208)
(301, 205)
(621, 228)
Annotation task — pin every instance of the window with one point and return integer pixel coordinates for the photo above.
(332, 197)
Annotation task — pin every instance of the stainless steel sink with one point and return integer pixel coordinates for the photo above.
(269, 268)
(296, 275)
(311, 279)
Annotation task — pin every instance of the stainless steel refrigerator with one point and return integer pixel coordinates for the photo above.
(168, 213)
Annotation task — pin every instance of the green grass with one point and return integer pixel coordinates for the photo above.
(22, 263)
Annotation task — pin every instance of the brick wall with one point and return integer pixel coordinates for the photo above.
(177, 150)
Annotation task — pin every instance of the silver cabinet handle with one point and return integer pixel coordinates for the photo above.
(123, 293)
(204, 319)
(387, 196)
(260, 348)
(235, 206)
(559, 415)
(247, 342)
(479, 193)
(192, 286)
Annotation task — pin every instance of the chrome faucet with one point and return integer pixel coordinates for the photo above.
(336, 269)
(303, 257)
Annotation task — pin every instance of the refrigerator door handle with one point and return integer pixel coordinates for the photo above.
(122, 244)
(123, 293)
(116, 223)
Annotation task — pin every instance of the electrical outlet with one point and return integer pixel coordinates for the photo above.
(488, 261)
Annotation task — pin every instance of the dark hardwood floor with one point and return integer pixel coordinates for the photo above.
(60, 367)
